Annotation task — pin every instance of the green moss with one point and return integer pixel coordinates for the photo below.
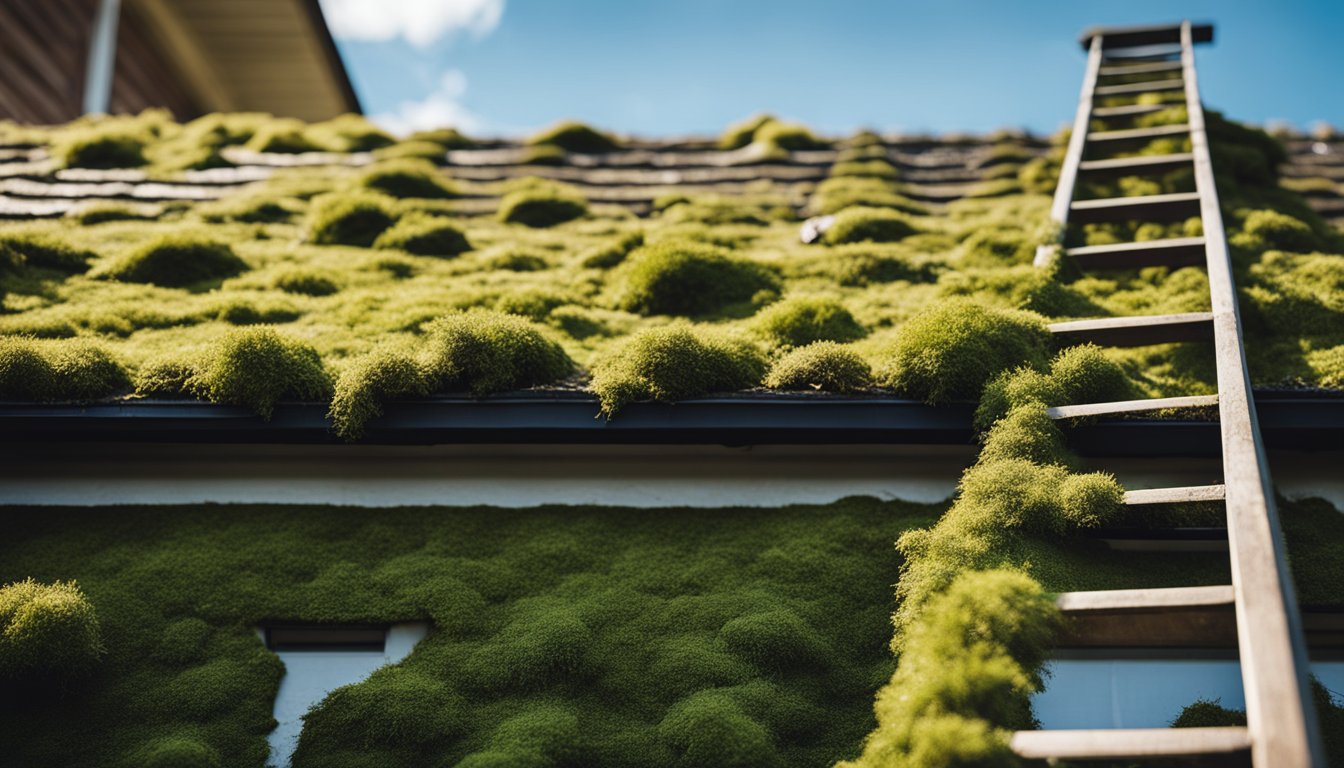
(678, 277)
(966, 672)
(795, 322)
(822, 365)
(407, 178)
(397, 713)
(573, 136)
(368, 383)
(53, 371)
(865, 225)
(448, 138)
(674, 363)
(740, 134)
(838, 193)
(518, 260)
(243, 312)
(256, 368)
(787, 136)
(952, 350)
(306, 282)
(351, 219)
(483, 352)
(1205, 713)
(541, 206)
(1266, 229)
(1026, 432)
(45, 250)
(49, 634)
(103, 212)
(776, 639)
(260, 208)
(97, 146)
(349, 133)
(175, 752)
(873, 168)
(282, 136)
(544, 154)
(862, 265)
(176, 260)
(611, 253)
(1081, 374)
(424, 236)
(413, 149)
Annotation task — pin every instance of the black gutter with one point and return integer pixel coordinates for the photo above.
(1286, 421)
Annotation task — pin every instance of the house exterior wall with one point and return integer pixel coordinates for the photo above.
(524, 476)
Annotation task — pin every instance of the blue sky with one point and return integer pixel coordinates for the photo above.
(692, 66)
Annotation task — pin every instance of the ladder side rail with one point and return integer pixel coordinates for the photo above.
(1068, 172)
(1274, 662)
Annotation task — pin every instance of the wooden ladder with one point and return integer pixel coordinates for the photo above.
(1282, 729)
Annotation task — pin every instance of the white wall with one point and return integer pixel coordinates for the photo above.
(522, 476)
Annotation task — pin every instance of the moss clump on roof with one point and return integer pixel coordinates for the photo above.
(284, 136)
(428, 151)
(796, 322)
(406, 179)
(868, 225)
(395, 706)
(44, 250)
(787, 136)
(541, 205)
(306, 282)
(258, 208)
(349, 133)
(1081, 374)
(840, 192)
(740, 134)
(965, 675)
(97, 146)
(518, 260)
(251, 367)
(349, 219)
(823, 365)
(680, 277)
(102, 212)
(573, 136)
(675, 363)
(611, 253)
(952, 350)
(49, 636)
(483, 352)
(176, 260)
(176, 752)
(368, 383)
(1271, 230)
(424, 236)
(243, 312)
(872, 168)
(544, 154)
(1206, 713)
(448, 138)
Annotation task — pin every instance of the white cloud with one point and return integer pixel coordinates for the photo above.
(420, 22)
(440, 109)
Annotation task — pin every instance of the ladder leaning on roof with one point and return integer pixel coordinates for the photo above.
(1282, 729)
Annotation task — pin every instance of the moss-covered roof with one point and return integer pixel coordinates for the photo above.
(160, 247)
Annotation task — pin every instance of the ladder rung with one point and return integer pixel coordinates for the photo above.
(1169, 207)
(1145, 600)
(1176, 495)
(1140, 134)
(1136, 331)
(1131, 744)
(1130, 166)
(1129, 406)
(1172, 252)
(1151, 86)
(1129, 110)
(1120, 70)
(1188, 617)
(1145, 35)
